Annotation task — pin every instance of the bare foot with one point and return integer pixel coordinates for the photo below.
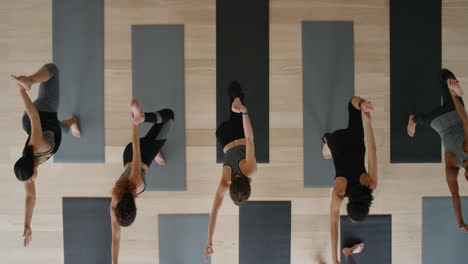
(455, 87)
(411, 128)
(237, 106)
(74, 128)
(22, 81)
(356, 249)
(160, 159)
(137, 115)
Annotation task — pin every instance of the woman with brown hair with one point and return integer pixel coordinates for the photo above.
(137, 158)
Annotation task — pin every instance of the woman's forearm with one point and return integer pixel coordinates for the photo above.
(136, 149)
(29, 209)
(458, 209)
(28, 104)
(115, 249)
(212, 224)
(334, 238)
(248, 131)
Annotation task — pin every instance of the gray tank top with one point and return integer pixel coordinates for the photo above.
(126, 173)
(50, 138)
(232, 158)
(450, 128)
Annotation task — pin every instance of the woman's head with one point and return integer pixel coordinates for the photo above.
(25, 168)
(239, 190)
(125, 210)
(359, 201)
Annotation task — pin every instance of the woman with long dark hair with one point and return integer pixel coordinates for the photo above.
(451, 122)
(347, 148)
(137, 158)
(236, 138)
(44, 131)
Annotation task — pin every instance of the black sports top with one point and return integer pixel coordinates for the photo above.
(49, 121)
(348, 149)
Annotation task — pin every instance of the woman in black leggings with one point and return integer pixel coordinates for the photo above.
(235, 136)
(44, 131)
(137, 158)
(347, 147)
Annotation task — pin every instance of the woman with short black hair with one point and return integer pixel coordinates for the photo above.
(347, 148)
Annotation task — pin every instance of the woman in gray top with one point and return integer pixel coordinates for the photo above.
(451, 122)
(44, 131)
(235, 136)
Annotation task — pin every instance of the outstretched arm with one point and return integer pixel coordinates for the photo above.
(451, 174)
(218, 201)
(115, 234)
(30, 202)
(337, 199)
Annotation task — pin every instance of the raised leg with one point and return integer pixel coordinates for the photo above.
(349, 252)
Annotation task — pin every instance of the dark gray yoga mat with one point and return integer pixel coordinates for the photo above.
(265, 233)
(415, 64)
(242, 54)
(376, 234)
(78, 51)
(182, 238)
(442, 241)
(158, 82)
(87, 234)
(328, 85)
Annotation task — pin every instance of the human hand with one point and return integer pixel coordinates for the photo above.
(463, 227)
(454, 87)
(208, 249)
(27, 235)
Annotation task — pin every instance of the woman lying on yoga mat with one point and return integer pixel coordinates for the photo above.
(137, 158)
(44, 132)
(451, 122)
(236, 138)
(347, 149)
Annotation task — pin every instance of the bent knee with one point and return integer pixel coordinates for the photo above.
(167, 114)
(52, 68)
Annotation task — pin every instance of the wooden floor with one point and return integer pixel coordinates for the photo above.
(25, 44)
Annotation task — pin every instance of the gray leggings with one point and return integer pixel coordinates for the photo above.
(48, 97)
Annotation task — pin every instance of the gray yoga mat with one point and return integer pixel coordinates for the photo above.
(78, 51)
(265, 233)
(182, 238)
(376, 234)
(87, 234)
(328, 85)
(158, 82)
(442, 242)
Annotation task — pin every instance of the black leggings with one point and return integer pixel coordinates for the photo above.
(447, 106)
(232, 129)
(153, 141)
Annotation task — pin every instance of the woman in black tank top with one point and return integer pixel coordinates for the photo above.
(235, 137)
(44, 131)
(347, 149)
